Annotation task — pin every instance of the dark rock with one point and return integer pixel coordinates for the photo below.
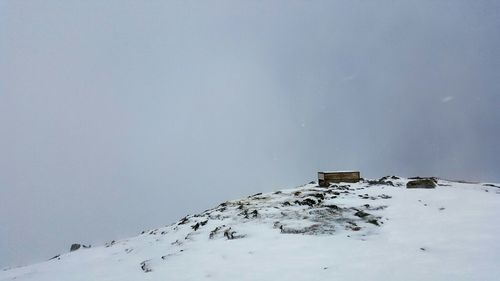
(318, 195)
(434, 179)
(146, 267)
(373, 221)
(74, 247)
(361, 214)
(353, 226)
(176, 242)
(308, 201)
(254, 213)
(214, 232)
(381, 181)
(183, 221)
(55, 257)
(421, 183)
(366, 196)
(244, 214)
(231, 234)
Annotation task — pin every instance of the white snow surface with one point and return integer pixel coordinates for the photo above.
(358, 231)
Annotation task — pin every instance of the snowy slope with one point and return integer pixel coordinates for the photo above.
(364, 231)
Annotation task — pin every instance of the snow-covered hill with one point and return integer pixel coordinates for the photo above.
(372, 230)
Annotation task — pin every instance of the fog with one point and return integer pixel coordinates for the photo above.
(119, 116)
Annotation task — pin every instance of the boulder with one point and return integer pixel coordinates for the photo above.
(74, 247)
(421, 183)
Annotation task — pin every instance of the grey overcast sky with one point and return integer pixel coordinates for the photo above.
(119, 116)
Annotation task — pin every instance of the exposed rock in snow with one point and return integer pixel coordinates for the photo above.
(74, 247)
(421, 183)
(374, 229)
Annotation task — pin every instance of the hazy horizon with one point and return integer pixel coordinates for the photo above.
(120, 116)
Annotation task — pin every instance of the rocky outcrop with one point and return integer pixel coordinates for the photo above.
(77, 246)
(74, 247)
(421, 183)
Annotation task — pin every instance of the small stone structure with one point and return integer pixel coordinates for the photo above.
(326, 178)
